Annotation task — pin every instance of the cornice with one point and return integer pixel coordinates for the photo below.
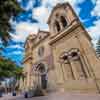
(37, 43)
(27, 58)
(68, 30)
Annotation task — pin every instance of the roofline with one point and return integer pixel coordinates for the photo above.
(42, 31)
(26, 59)
(27, 39)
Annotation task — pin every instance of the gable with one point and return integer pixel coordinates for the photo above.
(41, 36)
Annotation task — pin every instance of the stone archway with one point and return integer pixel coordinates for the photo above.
(43, 74)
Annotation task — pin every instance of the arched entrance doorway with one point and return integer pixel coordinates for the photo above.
(43, 74)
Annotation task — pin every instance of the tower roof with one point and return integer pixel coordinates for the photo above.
(57, 6)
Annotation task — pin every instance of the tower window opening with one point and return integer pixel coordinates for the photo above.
(64, 22)
(57, 26)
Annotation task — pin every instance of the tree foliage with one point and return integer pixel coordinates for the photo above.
(8, 9)
(9, 69)
(6, 68)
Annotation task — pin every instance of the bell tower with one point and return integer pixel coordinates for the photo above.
(61, 17)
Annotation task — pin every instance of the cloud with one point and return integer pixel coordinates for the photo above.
(14, 46)
(93, 1)
(96, 10)
(41, 14)
(19, 0)
(94, 31)
(23, 29)
(15, 53)
(10, 54)
(26, 4)
(30, 5)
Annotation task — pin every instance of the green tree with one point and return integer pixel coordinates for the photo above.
(10, 69)
(8, 9)
(98, 47)
(7, 68)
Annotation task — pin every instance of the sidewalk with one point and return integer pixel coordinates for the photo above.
(56, 96)
(10, 97)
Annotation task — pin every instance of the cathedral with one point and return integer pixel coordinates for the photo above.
(62, 59)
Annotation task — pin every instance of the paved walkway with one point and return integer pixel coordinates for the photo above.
(10, 97)
(58, 96)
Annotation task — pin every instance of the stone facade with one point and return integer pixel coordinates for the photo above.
(62, 59)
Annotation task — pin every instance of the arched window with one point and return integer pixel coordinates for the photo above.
(57, 26)
(66, 66)
(64, 57)
(43, 72)
(75, 55)
(63, 21)
(78, 64)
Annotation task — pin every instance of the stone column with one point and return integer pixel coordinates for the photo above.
(85, 66)
(75, 73)
(61, 26)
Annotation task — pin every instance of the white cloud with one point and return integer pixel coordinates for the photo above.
(94, 31)
(23, 29)
(41, 14)
(15, 46)
(18, 37)
(15, 53)
(96, 10)
(13, 23)
(19, 0)
(30, 4)
(26, 27)
(93, 1)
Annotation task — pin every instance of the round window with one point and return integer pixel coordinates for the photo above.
(41, 51)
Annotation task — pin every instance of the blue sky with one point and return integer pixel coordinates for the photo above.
(35, 18)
